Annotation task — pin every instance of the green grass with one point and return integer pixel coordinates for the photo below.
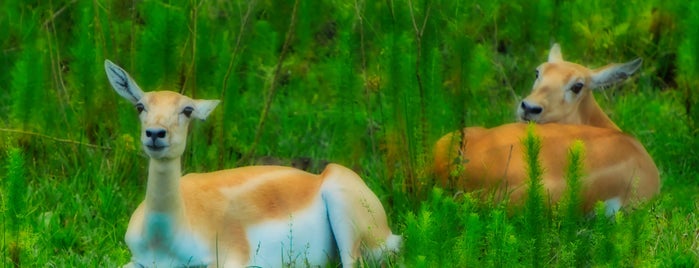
(367, 84)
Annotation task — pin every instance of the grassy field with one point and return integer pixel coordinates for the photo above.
(367, 84)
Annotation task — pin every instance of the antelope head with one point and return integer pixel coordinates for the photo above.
(562, 91)
(164, 115)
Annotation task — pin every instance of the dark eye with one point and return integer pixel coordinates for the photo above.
(140, 107)
(577, 87)
(187, 111)
(537, 74)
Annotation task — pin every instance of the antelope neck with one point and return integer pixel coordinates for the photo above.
(595, 116)
(163, 189)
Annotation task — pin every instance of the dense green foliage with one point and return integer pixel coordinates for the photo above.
(368, 84)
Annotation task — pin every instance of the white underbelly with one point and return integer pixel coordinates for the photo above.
(305, 237)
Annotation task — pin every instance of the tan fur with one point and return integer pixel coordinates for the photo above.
(348, 182)
(616, 164)
(219, 214)
(491, 161)
(260, 192)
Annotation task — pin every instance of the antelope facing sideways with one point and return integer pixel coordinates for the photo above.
(265, 216)
(618, 170)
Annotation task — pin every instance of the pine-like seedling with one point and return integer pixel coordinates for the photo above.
(84, 65)
(21, 97)
(15, 201)
(419, 233)
(603, 249)
(534, 206)
(501, 241)
(158, 56)
(27, 88)
(571, 203)
(572, 200)
(470, 244)
(429, 234)
(688, 66)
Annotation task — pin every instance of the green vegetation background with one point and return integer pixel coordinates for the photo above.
(368, 84)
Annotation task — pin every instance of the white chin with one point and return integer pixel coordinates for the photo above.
(156, 152)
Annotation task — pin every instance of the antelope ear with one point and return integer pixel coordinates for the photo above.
(614, 73)
(555, 53)
(122, 82)
(203, 108)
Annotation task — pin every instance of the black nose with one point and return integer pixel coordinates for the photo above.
(531, 109)
(155, 133)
